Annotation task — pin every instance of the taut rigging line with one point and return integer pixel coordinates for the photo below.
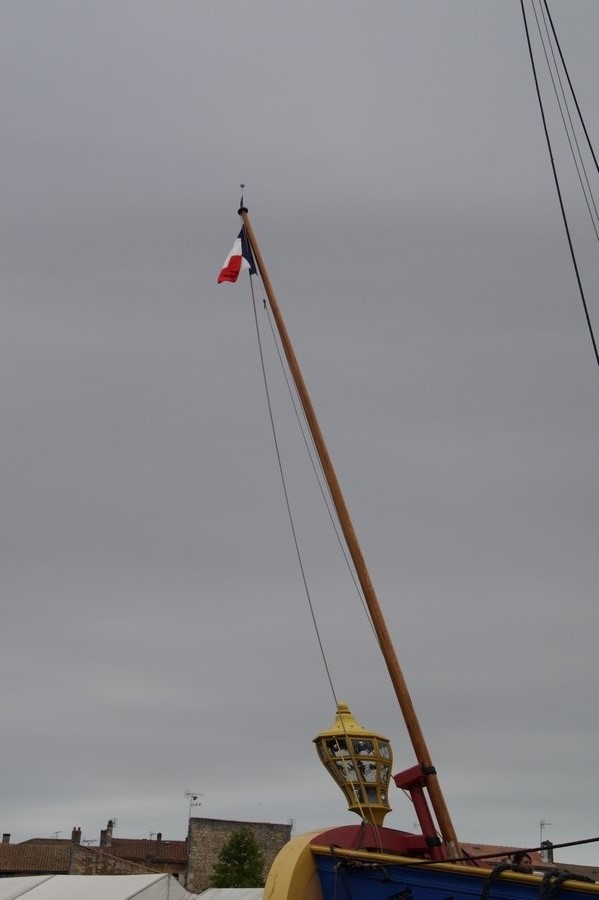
(554, 169)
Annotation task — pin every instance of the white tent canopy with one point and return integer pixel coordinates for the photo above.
(93, 887)
(232, 894)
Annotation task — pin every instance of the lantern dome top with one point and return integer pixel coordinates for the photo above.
(346, 724)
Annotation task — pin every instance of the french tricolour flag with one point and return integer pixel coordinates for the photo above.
(239, 258)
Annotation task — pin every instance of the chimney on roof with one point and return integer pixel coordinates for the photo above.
(547, 851)
(158, 835)
(106, 835)
(6, 838)
(76, 835)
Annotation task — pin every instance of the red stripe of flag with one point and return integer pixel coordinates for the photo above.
(239, 258)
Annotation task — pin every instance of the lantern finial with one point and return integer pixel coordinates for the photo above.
(360, 762)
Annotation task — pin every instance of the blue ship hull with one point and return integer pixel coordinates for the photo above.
(310, 869)
(351, 879)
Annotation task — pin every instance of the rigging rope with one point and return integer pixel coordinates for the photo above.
(489, 856)
(553, 880)
(557, 185)
(317, 469)
(286, 495)
(311, 454)
(495, 873)
(579, 165)
(572, 91)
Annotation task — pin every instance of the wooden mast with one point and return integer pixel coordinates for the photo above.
(380, 626)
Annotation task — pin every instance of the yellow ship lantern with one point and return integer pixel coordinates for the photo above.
(360, 762)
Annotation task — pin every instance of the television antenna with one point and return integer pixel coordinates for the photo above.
(542, 825)
(193, 800)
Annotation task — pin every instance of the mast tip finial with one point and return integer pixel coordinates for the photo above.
(242, 207)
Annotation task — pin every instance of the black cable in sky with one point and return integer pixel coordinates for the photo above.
(557, 185)
(561, 56)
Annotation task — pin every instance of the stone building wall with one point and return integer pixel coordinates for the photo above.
(91, 861)
(109, 861)
(208, 836)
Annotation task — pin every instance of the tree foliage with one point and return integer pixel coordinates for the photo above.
(240, 863)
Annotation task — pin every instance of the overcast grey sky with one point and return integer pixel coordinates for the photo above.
(155, 636)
